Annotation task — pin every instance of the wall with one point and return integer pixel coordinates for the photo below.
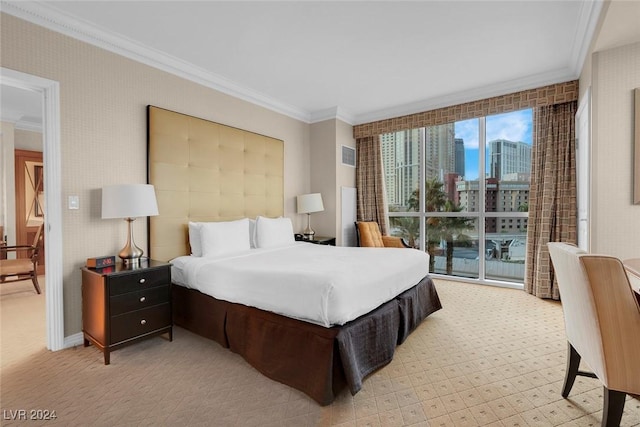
(615, 225)
(329, 175)
(103, 99)
(345, 175)
(28, 140)
(323, 176)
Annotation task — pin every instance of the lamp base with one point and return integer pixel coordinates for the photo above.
(130, 253)
(308, 232)
(131, 262)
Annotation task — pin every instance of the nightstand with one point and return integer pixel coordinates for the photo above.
(321, 240)
(122, 304)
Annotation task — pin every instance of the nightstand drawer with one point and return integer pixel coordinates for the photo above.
(138, 300)
(144, 279)
(140, 322)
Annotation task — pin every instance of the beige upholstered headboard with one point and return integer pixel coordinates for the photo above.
(205, 171)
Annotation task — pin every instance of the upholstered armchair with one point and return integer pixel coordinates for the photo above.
(602, 323)
(369, 235)
(12, 270)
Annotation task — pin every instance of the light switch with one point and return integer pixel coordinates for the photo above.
(74, 202)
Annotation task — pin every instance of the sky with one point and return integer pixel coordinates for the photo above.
(515, 126)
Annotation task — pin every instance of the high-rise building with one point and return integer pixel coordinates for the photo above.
(401, 153)
(459, 156)
(440, 157)
(401, 160)
(508, 157)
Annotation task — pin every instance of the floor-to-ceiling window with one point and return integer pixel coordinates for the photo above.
(460, 191)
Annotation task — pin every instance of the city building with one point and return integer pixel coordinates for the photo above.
(440, 151)
(401, 153)
(401, 159)
(459, 157)
(500, 196)
(507, 157)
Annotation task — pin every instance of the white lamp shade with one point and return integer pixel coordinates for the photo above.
(308, 203)
(128, 201)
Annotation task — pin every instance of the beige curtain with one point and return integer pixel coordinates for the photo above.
(552, 195)
(371, 194)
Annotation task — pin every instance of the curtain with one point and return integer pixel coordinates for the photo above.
(371, 194)
(552, 194)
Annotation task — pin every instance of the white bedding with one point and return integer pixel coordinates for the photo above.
(326, 285)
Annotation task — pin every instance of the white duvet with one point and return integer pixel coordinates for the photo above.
(326, 285)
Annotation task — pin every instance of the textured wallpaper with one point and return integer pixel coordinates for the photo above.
(103, 97)
(615, 224)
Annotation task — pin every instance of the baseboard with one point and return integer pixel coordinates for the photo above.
(73, 340)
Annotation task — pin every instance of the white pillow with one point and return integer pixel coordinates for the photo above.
(220, 238)
(194, 238)
(273, 232)
(252, 233)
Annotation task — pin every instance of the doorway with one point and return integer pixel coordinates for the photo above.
(48, 91)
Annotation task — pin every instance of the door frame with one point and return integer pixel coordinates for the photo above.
(583, 171)
(50, 93)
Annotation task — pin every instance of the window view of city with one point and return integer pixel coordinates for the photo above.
(466, 206)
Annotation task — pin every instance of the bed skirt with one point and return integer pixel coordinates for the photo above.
(316, 360)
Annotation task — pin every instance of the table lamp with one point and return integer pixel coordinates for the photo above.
(129, 201)
(309, 203)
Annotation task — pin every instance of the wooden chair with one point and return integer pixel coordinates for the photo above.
(368, 235)
(12, 270)
(602, 322)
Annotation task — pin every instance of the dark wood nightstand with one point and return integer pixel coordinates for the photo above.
(122, 304)
(321, 240)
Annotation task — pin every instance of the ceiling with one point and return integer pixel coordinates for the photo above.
(355, 60)
(21, 106)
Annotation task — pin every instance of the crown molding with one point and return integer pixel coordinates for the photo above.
(21, 122)
(29, 125)
(10, 116)
(42, 14)
(587, 23)
(333, 113)
(498, 89)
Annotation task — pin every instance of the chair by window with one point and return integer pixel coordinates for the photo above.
(368, 235)
(602, 323)
(12, 270)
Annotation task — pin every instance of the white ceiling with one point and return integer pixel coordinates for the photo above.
(356, 60)
(21, 106)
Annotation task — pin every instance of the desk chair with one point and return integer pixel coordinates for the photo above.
(12, 270)
(602, 322)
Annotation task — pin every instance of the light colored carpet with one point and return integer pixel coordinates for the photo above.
(491, 356)
(22, 321)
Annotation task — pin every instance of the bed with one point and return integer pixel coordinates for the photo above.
(206, 172)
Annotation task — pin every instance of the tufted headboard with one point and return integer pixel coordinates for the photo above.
(205, 171)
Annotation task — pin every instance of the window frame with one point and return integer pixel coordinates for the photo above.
(481, 216)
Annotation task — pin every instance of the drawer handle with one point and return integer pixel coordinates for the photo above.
(142, 280)
(143, 299)
(143, 322)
